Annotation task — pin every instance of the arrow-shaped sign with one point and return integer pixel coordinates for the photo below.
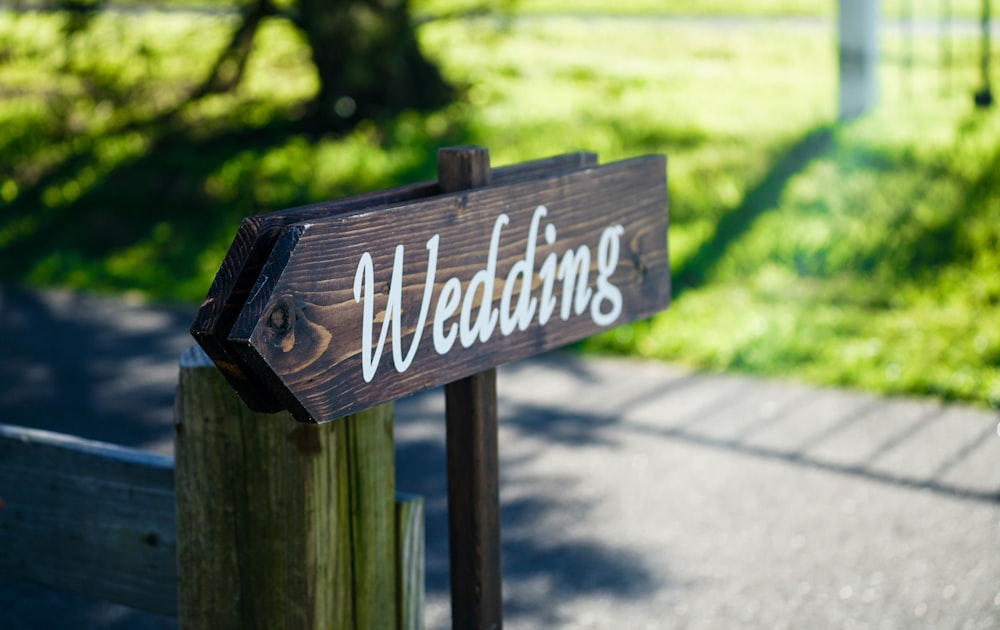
(256, 238)
(365, 306)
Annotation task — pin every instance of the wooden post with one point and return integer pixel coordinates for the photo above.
(281, 524)
(410, 547)
(473, 487)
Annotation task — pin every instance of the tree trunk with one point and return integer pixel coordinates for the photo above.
(368, 61)
(227, 72)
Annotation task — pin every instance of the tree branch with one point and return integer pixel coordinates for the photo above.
(229, 67)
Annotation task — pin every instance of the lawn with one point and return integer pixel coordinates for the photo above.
(754, 8)
(862, 255)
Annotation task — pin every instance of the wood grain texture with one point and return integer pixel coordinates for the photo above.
(88, 517)
(411, 552)
(240, 268)
(280, 524)
(300, 331)
(100, 520)
(472, 455)
(464, 167)
(474, 502)
(255, 239)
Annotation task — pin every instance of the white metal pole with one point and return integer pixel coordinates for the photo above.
(858, 42)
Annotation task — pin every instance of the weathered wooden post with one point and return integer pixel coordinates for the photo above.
(333, 309)
(281, 524)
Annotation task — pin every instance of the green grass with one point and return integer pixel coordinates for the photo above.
(863, 255)
(752, 8)
(872, 261)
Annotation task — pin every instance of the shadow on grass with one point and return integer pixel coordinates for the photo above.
(167, 204)
(761, 198)
(900, 242)
(947, 238)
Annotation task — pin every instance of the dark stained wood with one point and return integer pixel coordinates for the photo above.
(472, 455)
(462, 168)
(300, 330)
(255, 239)
(248, 252)
(474, 502)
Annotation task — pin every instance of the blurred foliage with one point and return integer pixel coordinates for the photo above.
(863, 255)
(743, 8)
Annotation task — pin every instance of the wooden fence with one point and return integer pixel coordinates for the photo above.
(260, 522)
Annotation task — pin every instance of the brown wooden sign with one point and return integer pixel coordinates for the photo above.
(255, 240)
(360, 307)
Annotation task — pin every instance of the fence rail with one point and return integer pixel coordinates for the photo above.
(88, 517)
(100, 520)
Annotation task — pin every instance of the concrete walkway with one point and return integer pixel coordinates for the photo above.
(634, 495)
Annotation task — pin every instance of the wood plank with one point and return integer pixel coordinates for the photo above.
(250, 248)
(411, 560)
(301, 331)
(88, 517)
(255, 239)
(472, 455)
(473, 502)
(280, 525)
(368, 478)
(99, 520)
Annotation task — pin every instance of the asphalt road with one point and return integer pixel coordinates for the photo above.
(634, 495)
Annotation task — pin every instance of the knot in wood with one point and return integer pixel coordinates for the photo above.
(287, 340)
(282, 318)
(641, 269)
(282, 322)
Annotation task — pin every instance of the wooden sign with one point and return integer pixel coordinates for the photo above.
(255, 240)
(360, 307)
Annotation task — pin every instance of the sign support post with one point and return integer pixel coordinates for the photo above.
(332, 309)
(472, 454)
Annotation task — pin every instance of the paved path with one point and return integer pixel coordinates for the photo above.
(634, 495)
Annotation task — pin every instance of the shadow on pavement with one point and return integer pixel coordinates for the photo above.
(106, 370)
(864, 436)
(98, 369)
(539, 566)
